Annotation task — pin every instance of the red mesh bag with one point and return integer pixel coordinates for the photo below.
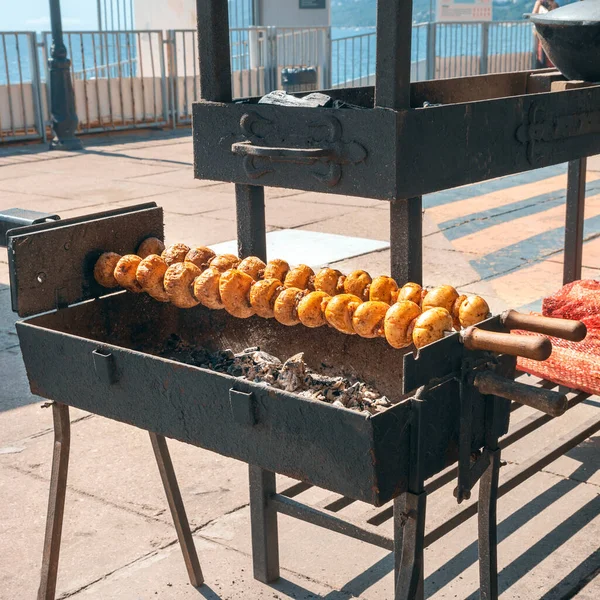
(572, 364)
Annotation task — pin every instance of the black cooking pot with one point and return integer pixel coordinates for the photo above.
(570, 37)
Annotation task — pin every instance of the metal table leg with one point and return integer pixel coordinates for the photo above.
(406, 240)
(251, 228)
(263, 519)
(56, 501)
(409, 535)
(488, 534)
(180, 520)
(574, 220)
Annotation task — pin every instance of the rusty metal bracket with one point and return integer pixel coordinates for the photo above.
(543, 132)
(325, 151)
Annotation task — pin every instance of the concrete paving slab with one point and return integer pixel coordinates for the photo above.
(39, 202)
(182, 179)
(297, 246)
(336, 199)
(97, 538)
(14, 391)
(82, 188)
(200, 230)
(197, 201)
(228, 576)
(287, 213)
(593, 163)
(124, 472)
(10, 170)
(369, 223)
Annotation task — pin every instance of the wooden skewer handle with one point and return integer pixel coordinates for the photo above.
(534, 347)
(549, 402)
(574, 331)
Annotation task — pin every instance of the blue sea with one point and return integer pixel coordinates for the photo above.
(353, 49)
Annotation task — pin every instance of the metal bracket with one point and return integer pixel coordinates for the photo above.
(105, 367)
(13, 218)
(323, 142)
(243, 407)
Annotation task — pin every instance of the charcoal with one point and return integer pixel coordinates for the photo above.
(293, 375)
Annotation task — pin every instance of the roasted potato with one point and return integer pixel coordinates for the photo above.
(234, 288)
(104, 270)
(399, 323)
(179, 283)
(150, 275)
(126, 270)
(150, 246)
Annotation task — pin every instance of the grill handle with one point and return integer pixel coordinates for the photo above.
(549, 402)
(535, 348)
(574, 331)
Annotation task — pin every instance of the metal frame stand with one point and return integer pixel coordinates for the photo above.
(56, 504)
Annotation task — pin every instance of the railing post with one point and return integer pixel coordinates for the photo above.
(271, 61)
(485, 42)
(36, 85)
(163, 75)
(62, 96)
(431, 44)
(173, 77)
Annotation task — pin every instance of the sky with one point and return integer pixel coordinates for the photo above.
(34, 15)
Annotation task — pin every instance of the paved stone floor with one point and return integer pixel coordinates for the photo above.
(501, 239)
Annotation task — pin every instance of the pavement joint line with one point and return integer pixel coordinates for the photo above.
(559, 475)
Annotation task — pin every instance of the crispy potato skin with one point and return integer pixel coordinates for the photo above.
(224, 262)
(104, 269)
(329, 281)
(179, 280)
(175, 253)
(357, 283)
(455, 312)
(126, 270)
(286, 306)
(206, 289)
(311, 309)
(369, 317)
(340, 310)
(234, 288)
(443, 296)
(150, 246)
(276, 269)
(412, 292)
(383, 289)
(252, 266)
(263, 295)
(399, 323)
(473, 310)
(301, 277)
(431, 325)
(150, 275)
(200, 256)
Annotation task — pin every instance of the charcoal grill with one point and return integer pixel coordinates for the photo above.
(451, 403)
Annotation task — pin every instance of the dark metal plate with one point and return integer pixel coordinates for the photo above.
(51, 264)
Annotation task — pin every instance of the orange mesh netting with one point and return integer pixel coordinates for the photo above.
(573, 364)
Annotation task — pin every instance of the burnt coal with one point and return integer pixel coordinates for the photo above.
(292, 375)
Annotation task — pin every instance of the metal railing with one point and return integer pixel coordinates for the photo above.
(129, 79)
(21, 110)
(119, 78)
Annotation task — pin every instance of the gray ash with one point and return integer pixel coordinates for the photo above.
(293, 375)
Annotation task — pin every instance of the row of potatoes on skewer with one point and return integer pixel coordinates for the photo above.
(352, 304)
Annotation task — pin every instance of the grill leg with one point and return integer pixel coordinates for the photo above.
(56, 501)
(409, 534)
(574, 220)
(488, 538)
(263, 520)
(406, 240)
(180, 520)
(250, 214)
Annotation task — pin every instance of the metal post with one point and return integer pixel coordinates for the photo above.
(214, 50)
(263, 521)
(488, 529)
(409, 518)
(406, 240)
(251, 229)
(485, 41)
(392, 90)
(431, 44)
(574, 221)
(180, 520)
(36, 83)
(56, 501)
(62, 96)
(394, 37)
